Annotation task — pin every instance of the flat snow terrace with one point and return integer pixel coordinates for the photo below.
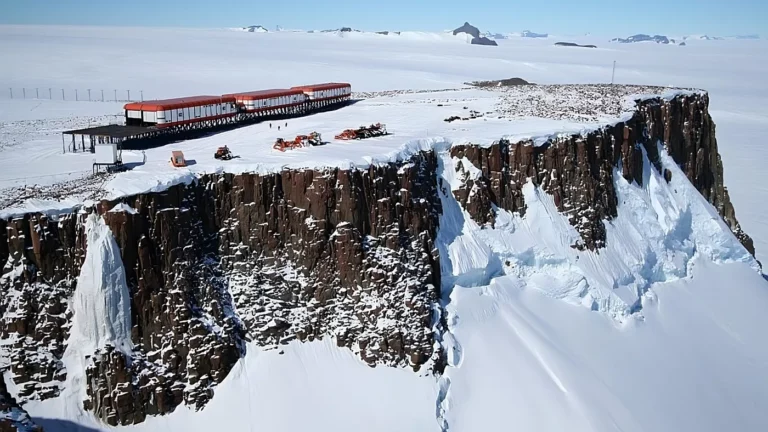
(415, 120)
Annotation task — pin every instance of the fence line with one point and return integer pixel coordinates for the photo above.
(77, 94)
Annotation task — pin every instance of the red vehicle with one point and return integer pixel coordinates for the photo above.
(180, 111)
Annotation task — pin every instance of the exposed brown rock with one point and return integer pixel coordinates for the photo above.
(578, 170)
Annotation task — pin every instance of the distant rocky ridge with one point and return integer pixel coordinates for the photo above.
(500, 83)
(644, 38)
(571, 44)
(477, 39)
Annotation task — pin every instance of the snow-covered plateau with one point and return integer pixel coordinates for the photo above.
(570, 255)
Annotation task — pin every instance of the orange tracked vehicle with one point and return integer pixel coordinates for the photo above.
(313, 139)
(363, 132)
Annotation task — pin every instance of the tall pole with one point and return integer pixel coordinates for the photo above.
(37, 93)
(62, 94)
(102, 95)
(76, 94)
(11, 90)
(115, 95)
(24, 92)
(50, 93)
(141, 92)
(613, 75)
(89, 95)
(129, 95)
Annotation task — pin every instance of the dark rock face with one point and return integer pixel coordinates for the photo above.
(483, 41)
(477, 39)
(314, 253)
(571, 44)
(508, 82)
(578, 171)
(468, 29)
(299, 254)
(43, 259)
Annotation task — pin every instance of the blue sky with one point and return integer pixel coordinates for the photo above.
(599, 17)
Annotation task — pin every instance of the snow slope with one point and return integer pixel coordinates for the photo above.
(694, 363)
(303, 386)
(660, 332)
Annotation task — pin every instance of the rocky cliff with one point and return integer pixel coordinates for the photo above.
(299, 254)
(578, 170)
(302, 255)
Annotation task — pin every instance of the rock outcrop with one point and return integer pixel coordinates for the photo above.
(571, 44)
(301, 255)
(473, 31)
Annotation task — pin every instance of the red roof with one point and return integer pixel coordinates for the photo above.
(326, 86)
(264, 94)
(166, 104)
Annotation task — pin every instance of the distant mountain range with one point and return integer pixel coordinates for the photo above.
(488, 38)
(667, 40)
(644, 38)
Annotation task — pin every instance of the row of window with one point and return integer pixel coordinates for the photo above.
(181, 114)
(275, 102)
(337, 92)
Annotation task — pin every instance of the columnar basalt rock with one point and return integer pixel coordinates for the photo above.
(314, 253)
(43, 259)
(302, 255)
(578, 170)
